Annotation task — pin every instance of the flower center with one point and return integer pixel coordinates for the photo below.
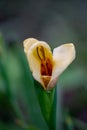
(46, 63)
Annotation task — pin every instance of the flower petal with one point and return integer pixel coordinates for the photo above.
(62, 57)
(34, 60)
(28, 43)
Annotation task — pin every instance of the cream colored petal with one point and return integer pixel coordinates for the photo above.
(28, 43)
(62, 57)
(34, 61)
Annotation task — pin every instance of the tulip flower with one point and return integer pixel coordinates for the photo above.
(45, 66)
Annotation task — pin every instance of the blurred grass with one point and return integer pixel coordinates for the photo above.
(18, 101)
(18, 84)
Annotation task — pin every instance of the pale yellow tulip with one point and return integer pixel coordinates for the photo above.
(45, 66)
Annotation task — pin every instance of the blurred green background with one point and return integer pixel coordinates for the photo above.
(56, 22)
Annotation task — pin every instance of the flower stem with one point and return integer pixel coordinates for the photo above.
(47, 102)
(52, 124)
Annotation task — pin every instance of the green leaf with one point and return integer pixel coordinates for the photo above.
(8, 92)
(6, 80)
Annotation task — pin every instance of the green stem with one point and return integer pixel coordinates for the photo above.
(52, 124)
(47, 102)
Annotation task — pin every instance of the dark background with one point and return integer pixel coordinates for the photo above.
(56, 22)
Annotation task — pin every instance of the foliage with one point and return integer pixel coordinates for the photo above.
(19, 106)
